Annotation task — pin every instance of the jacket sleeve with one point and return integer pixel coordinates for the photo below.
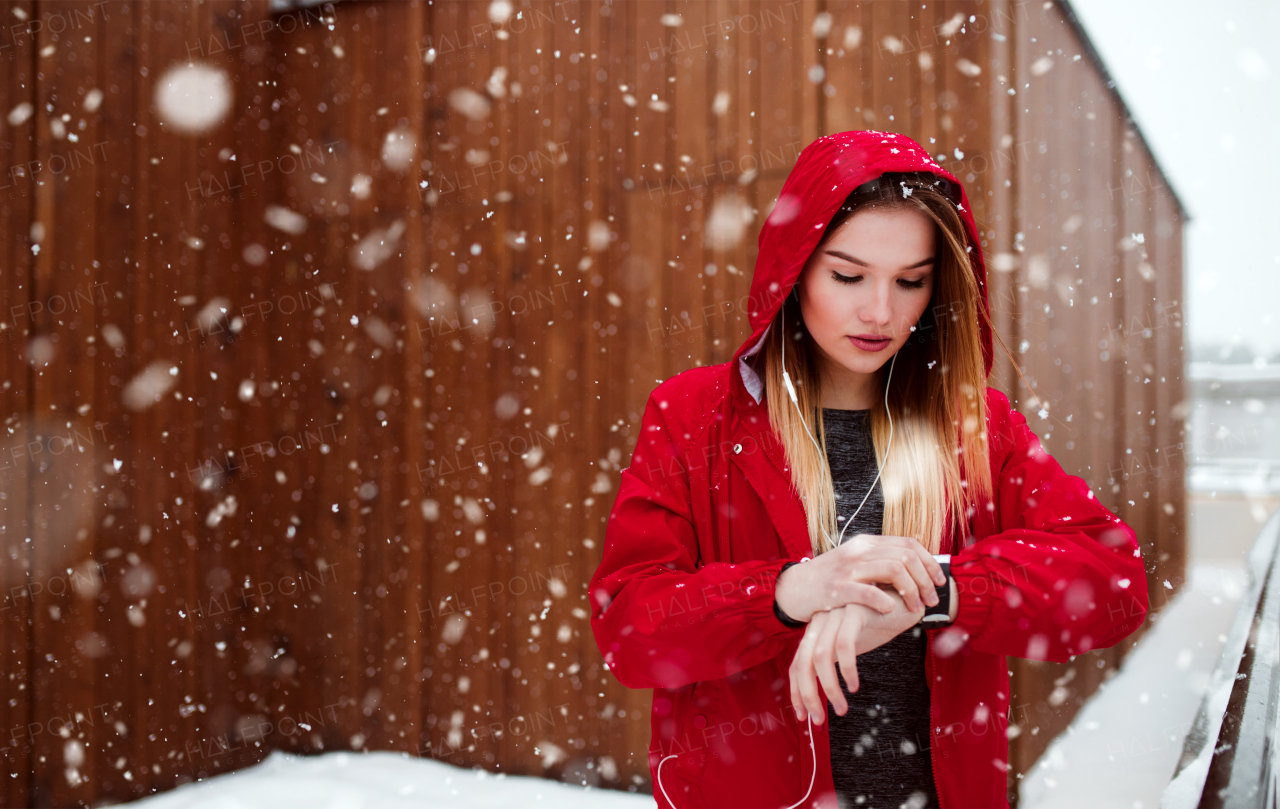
(1063, 575)
(661, 619)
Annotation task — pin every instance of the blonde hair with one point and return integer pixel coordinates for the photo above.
(938, 466)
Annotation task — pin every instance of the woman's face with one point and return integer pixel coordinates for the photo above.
(872, 278)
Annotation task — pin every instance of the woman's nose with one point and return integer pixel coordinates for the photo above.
(877, 311)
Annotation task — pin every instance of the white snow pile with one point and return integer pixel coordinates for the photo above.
(381, 780)
(1122, 747)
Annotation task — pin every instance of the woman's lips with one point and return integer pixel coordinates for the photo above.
(870, 345)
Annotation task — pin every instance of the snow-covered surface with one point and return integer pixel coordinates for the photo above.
(1129, 736)
(382, 780)
(1185, 790)
(1232, 372)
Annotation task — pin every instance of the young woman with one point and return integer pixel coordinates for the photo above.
(789, 518)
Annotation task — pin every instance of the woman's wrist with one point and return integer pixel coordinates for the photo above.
(781, 597)
(785, 619)
(898, 619)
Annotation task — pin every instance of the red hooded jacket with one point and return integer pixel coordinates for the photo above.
(706, 515)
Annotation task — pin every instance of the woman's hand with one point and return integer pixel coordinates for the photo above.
(838, 636)
(849, 573)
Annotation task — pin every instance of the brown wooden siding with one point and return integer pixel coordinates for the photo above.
(253, 562)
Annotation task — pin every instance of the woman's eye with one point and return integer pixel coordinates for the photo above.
(850, 279)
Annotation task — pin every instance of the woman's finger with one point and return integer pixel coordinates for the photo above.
(796, 673)
(794, 676)
(894, 573)
(847, 646)
(809, 694)
(915, 567)
(931, 565)
(803, 683)
(824, 663)
(868, 595)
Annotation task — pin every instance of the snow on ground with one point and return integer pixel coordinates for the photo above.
(382, 780)
(1129, 735)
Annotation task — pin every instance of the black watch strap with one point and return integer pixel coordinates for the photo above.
(777, 611)
(940, 615)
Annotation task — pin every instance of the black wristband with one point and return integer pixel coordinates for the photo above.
(786, 620)
(940, 615)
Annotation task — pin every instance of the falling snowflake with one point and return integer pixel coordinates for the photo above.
(193, 98)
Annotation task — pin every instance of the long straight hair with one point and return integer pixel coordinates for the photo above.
(937, 468)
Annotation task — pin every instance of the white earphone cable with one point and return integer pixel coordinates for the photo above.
(813, 773)
(791, 391)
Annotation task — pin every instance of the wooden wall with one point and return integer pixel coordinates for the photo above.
(1095, 302)
(338, 479)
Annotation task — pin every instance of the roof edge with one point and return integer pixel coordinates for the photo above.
(1092, 52)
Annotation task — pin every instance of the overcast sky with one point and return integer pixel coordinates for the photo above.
(1202, 79)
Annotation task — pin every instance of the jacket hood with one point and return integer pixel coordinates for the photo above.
(826, 172)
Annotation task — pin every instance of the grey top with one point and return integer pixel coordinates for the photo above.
(880, 748)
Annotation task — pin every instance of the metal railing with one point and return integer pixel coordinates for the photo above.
(1228, 759)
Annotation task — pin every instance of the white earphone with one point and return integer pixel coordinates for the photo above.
(791, 391)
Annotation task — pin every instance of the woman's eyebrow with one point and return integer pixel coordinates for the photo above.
(854, 260)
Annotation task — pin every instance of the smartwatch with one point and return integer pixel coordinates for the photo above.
(940, 615)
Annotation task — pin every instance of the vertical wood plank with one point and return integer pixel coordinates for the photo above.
(17, 149)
